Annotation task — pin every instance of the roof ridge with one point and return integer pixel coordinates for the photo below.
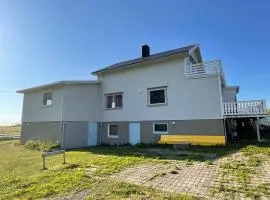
(144, 59)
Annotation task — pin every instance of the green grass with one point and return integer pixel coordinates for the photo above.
(41, 146)
(22, 177)
(44, 185)
(10, 129)
(242, 171)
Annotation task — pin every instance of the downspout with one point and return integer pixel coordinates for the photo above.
(62, 118)
(221, 104)
(102, 104)
(22, 119)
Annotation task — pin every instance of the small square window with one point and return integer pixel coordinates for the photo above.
(113, 130)
(114, 101)
(157, 96)
(47, 99)
(160, 128)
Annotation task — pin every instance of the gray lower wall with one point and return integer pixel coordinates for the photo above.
(76, 133)
(45, 131)
(181, 127)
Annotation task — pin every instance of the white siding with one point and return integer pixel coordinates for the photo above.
(82, 103)
(229, 95)
(33, 111)
(187, 98)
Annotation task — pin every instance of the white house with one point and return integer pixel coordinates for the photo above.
(171, 93)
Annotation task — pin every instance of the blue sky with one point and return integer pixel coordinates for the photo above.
(42, 41)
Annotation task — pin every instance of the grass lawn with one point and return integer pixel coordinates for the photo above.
(10, 129)
(21, 176)
(89, 170)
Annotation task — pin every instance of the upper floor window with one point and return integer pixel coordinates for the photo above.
(114, 100)
(157, 96)
(47, 99)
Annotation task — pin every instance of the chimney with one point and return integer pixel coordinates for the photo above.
(145, 51)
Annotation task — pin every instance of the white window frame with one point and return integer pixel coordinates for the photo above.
(160, 132)
(108, 133)
(113, 95)
(42, 96)
(154, 89)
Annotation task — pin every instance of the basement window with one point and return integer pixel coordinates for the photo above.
(157, 96)
(160, 128)
(114, 101)
(113, 130)
(47, 99)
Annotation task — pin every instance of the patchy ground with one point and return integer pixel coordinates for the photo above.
(243, 175)
(237, 176)
(234, 172)
(192, 179)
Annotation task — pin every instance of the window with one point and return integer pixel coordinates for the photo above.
(114, 101)
(160, 128)
(47, 99)
(157, 96)
(113, 130)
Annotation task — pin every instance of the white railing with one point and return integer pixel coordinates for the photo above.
(240, 108)
(203, 69)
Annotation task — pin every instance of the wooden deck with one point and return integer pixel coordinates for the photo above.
(245, 108)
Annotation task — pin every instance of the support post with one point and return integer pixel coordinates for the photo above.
(64, 157)
(258, 129)
(44, 166)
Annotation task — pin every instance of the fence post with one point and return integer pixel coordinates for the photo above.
(43, 158)
(64, 157)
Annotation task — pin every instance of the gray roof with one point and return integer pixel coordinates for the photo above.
(59, 83)
(127, 63)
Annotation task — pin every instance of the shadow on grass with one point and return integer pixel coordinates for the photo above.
(167, 152)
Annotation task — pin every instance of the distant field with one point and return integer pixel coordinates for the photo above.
(10, 129)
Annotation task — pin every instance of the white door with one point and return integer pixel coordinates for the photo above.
(92, 134)
(134, 133)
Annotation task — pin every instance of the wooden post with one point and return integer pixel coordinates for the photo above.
(64, 157)
(258, 129)
(47, 154)
(44, 166)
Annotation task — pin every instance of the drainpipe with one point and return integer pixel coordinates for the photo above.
(62, 118)
(102, 105)
(221, 104)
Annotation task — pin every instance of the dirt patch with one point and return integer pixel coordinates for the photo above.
(74, 195)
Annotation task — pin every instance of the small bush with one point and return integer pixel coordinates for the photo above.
(41, 145)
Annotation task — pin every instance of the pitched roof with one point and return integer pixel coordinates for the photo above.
(127, 63)
(59, 83)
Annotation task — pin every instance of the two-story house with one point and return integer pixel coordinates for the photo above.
(136, 101)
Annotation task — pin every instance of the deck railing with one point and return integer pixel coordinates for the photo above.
(240, 108)
(203, 69)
